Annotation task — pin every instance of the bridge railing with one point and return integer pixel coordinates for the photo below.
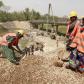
(59, 22)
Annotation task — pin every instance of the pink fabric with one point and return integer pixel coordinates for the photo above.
(75, 30)
(4, 41)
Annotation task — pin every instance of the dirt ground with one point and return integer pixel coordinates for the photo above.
(39, 69)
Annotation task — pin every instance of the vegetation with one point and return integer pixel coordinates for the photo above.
(27, 15)
(1, 3)
(62, 30)
(22, 16)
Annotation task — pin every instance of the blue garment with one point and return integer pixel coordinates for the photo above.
(81, 58)
(73, 61)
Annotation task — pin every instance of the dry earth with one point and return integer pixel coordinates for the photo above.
(39, 69)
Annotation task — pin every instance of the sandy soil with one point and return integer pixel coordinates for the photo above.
(39, 69)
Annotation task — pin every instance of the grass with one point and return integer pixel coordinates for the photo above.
(62, 30)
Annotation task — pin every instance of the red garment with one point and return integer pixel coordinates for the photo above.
(81, 29)
(82, 66)
(78, 41)
(15, 42)
(75, 30)
(80, 46)
(5, 42)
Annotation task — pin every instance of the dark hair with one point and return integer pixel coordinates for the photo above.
(83, 18)
(19, 35)
(74, 17)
